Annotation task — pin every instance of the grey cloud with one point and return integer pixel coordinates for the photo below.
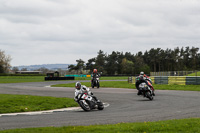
(56, 31)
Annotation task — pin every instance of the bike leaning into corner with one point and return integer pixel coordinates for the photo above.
(85, 98)
(144, 87)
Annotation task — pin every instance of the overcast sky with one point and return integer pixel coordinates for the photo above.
(62, 31)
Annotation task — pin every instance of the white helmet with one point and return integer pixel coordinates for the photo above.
(78, 85)
(141, 73)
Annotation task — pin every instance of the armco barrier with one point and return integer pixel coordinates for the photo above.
(153, 80)
(172, 80)
(179, 80)
(76, 75)
(59, 78)
(192, 80)
(131, 80)
(161, 80)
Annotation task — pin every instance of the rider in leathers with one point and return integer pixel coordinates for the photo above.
(144, 78)
(80, 89)
(95, 74)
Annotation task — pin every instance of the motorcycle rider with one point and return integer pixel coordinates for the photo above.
(82, 89)
(95, 74)
(144, 78)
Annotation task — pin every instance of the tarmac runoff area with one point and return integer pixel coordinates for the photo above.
(48, 111)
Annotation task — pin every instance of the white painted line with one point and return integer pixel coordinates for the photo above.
(47, 112)
(48, 86)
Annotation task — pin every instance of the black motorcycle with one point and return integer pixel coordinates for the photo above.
(89, 102)
(95, 82)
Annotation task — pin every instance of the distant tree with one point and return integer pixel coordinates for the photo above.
(193, 58)
(90, 65)
(112, 63)
(43, 69)
(80, 64)
(140, 65)
(100, 61)
(71, 67)
(15, 69)
(4, 62)
(24, 69)
(127, 67)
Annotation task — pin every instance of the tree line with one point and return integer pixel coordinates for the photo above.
(153, 60)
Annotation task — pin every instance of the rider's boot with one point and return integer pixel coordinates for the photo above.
(139, 93)
(152, 91)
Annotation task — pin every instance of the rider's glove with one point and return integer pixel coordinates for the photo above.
(75, 99)
(90, 93)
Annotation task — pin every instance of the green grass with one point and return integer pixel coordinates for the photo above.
(191, 125)
(194, 74)
(103, 78)
(24, 103)
(113, 84)
(21, 79)
(177, 87)
(125, 84)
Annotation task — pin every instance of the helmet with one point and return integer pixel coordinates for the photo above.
(95, 71)
(141, 73)
(78, 85)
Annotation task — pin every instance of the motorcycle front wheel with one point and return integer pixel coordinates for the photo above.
(98, 85)
(149, 95)
(85, 105)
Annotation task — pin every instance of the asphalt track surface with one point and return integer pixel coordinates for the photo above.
(124, 106)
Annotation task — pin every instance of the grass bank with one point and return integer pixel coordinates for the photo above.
(191, 125)
(125, 84)
(21, 79)
(194, 74)
(25, 103)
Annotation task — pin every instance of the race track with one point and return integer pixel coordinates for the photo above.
(124, 106)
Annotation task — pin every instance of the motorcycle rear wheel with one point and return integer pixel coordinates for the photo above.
(100, 106)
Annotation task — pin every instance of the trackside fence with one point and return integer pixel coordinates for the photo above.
(172, 80)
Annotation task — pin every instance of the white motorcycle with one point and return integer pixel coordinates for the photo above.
(88, 102)
(146, 91)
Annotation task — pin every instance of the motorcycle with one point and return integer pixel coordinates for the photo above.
(88, 102)
(95, 82)
(146, 90)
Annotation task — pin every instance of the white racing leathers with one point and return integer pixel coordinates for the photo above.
(82, 90)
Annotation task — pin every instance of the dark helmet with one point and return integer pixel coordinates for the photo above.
(95, 71)
(78, 85)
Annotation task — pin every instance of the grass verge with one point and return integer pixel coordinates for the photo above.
(21, 79)
(125, 84)
(191, 125)
(194, 74)
(103, 78)
(25, 103)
